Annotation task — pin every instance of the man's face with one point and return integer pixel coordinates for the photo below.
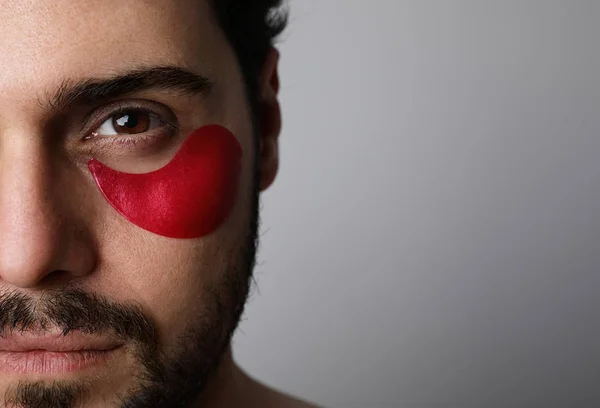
(152, 311)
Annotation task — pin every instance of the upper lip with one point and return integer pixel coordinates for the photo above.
(55, 342)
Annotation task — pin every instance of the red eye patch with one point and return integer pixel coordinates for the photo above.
(190, 197)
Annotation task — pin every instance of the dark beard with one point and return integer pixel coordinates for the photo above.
(166, 381)
(178, 383)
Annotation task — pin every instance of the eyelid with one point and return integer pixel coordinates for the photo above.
(105, 112)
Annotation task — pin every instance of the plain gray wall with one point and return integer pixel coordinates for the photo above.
(433, 238)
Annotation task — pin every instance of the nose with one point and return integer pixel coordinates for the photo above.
(39, 234)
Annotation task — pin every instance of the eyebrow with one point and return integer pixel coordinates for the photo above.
(91, 90)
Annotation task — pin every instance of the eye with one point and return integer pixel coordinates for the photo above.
(129, 122)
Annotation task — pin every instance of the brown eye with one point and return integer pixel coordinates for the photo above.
(129, 122)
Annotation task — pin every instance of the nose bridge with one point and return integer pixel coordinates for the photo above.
(25, 176)
(31, 224)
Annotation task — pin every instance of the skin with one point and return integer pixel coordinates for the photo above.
(57, 230)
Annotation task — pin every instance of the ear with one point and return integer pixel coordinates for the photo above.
(269, 120)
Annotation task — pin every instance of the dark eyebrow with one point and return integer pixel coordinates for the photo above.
(91, 90)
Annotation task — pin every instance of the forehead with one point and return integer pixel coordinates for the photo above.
(45, 41)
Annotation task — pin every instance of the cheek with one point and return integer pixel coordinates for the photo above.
(173, 281)
(188, 198)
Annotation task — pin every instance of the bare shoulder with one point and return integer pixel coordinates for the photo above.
(267, 397)
(277, 399)
(257, 394)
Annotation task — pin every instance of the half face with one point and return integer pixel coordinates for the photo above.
(98, 309)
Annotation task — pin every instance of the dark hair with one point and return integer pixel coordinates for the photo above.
(251, 27)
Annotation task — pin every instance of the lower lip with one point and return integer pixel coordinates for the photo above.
(51, 362)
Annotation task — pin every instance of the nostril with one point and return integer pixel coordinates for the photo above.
(46, 263)
(53, 269)
(24, 264)
(56, 278)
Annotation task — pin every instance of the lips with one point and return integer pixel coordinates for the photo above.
(55, 342)
(31, 353)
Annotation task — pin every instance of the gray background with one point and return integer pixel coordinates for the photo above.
(433, 237)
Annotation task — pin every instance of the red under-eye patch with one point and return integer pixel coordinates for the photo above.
(190, 197)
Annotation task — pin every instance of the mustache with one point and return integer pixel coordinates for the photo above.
(74, 310)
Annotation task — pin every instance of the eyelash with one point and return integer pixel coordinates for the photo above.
(130, 140)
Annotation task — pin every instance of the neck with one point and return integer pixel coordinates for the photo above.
(228, 386)
(231, 387)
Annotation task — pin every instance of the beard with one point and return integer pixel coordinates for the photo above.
(164, 381)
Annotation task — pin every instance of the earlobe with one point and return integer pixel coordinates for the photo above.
(270, 120)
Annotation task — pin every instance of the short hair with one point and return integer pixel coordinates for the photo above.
(251, 27)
